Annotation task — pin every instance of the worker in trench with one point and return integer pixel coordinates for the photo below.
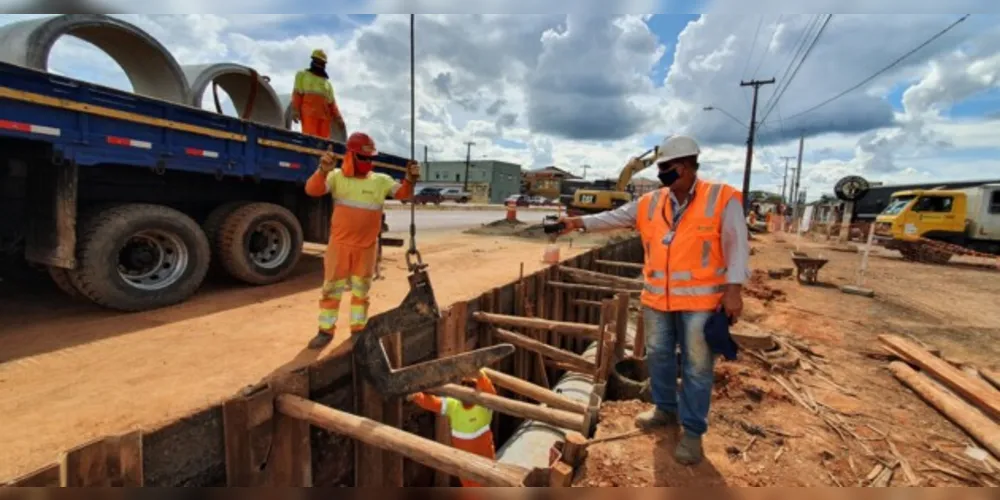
(696, 262)
(359, 195)
(313, 102)
(470, 423)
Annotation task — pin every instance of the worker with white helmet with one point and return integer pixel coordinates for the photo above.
(696, 261)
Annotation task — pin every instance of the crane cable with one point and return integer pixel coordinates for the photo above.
(883, 70)
(412, 251)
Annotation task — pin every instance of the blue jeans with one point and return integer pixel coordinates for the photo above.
(664, 331)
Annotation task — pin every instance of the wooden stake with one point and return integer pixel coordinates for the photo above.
(519, 409)
(392, 414)
(977, 391)
(639, 345)
(621, 325)
(580, 364)
(111, 461)
(538, 393)
(574, 449)
(560, 475)
(578, 329)
(977, 425)
(430, 453)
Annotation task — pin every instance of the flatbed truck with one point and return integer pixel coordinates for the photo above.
(127, 201)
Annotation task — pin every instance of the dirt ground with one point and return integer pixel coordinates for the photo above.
(859, 415)
(71, 372)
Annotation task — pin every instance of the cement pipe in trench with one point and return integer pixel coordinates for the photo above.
(149, 66)
(235, 80)
(529, 445)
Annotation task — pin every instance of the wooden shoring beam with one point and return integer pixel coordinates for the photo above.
(625, 265)
(109, 461)
(588, 277)
(536, 392)
(579, 363)
(424, 451)
(566, 328)
(577, 287)
(519, 409)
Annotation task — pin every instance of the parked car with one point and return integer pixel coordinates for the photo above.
(427, 195)
(455, 194)
(540, 201)
(519, 200)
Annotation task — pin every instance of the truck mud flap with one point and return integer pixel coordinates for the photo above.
(418, 311)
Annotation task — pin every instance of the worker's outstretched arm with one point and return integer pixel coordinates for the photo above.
(484, 384)
(428, 402)
(404, 190)
(620, 218)
(319, 182)
(736, 252)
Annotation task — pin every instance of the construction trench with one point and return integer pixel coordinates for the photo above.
(328, 426)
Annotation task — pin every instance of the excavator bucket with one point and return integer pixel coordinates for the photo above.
(419, 310)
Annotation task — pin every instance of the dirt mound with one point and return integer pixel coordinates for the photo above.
(759, 288)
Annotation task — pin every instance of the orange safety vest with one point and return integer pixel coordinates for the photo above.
(685, 269)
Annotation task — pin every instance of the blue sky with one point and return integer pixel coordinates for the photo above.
(574, 89)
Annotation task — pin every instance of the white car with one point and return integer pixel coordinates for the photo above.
(455, 194)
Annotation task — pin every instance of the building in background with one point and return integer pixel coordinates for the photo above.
(490, 181)
(546, 182)
(643, 186)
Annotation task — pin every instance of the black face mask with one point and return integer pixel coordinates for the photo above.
(669, 177)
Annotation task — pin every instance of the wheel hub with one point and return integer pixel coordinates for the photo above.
(269, 245)
(152, 260)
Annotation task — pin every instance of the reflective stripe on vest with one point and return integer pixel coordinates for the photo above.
(307, 83)
(466, 423)
(685, 269)
(368, 193)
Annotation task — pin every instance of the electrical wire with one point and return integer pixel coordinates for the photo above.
(753, 46)
(788, 83)
(799, 45)
(883, 70)
(761, 63)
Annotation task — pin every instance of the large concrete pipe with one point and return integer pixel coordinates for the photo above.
(529, 445)
(337, 134)
(236, 80)
(148, 65)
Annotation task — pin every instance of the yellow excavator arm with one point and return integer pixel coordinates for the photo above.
(634, 166)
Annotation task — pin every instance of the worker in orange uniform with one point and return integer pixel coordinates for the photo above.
(696, 260)
(470, 423)
(312, 99)
(358, 198)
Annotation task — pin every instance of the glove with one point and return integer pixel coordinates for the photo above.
(328, 160)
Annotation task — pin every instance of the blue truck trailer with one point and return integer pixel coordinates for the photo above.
(127, 200)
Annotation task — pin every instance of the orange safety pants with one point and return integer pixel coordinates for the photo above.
(346, 267)
(316, 125)
(482, 446)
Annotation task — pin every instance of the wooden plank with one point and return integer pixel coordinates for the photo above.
(507, 406)
(416, 448)
(977, 391)
(289, 462)
(368, 469)
(606, 348)
(45, 477)
(577, 329)
(581, 364)
(991, 376)
(241, 471)
(519, 355)
(624, 265)
(621, 325)
(111, 461)
(574, 449)
(392, 412)
(588, 277)
(639, 344)
(979, 426)
(538, 393)
(560, 475)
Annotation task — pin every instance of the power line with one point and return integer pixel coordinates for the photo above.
(761, 63)
(753, 46)
(797, 68)
(883, 70)
(799, 45)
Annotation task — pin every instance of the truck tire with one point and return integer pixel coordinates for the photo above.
(138, 256)
(212, 227)
(60, 277)
(260, 243)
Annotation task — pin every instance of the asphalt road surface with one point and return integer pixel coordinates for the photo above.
(450, 220)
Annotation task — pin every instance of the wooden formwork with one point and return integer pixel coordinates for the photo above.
(261, 438)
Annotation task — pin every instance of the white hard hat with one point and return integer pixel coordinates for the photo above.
(677, 146)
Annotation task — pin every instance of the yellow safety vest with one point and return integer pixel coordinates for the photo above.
(357, 206)
(466, 423)
(316, 93)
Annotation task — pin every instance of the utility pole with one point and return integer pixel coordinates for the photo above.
(784, 180)
(585, 167)
(468, 160)
(427, 166)
(756, 84)
(796, 178)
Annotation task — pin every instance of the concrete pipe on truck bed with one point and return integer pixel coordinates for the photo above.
(149, 66)
(235, 79)
(529, 445)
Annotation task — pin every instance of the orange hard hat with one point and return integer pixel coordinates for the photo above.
(361, 143)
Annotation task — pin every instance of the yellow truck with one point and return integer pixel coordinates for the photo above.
(589, 201)
(932, 225)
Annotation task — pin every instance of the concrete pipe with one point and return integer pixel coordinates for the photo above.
(235, 79)
(148, 65)
(337, 134)
(529, 445)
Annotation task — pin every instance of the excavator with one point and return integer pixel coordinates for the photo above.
(589, 201)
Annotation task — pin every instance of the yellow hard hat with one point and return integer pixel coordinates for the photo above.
(319, 54)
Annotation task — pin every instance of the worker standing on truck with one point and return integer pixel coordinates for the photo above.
(312, 99)
(470, 423)
(358, 198)
(696, 261)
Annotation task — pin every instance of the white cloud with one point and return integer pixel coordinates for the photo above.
(578, 89)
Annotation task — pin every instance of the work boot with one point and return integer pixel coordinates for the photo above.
(320, 340)
(655, 418)
(689, 450)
